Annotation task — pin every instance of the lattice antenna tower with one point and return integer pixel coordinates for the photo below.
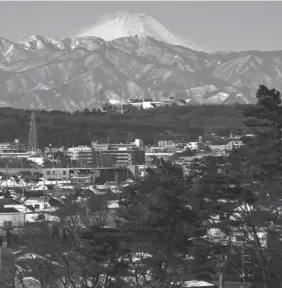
(32, 138)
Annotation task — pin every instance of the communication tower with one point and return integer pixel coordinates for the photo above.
(32, 138)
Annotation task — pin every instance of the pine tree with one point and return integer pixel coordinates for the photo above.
(244, 190)
(216, 195)
(263, 156)
(158, 215)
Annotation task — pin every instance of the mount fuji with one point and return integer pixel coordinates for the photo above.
(124, 24)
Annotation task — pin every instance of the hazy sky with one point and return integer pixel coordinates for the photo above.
(214, 25)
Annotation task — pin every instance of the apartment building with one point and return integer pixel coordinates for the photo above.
(192, 145)
(119, 154)
(82, 155)
(166, 143)
(10, 146)
(4, 145)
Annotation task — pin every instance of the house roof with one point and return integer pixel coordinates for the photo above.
(236, 284)
(9, 210)
(39, 198)
(197, 284)
(7, 201)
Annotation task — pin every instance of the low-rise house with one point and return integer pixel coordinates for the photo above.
(12, 215)
(43, 203)
(12, 182)
(234, 145)
(239, 233)
(37, 217)
(113, 204)
(235, 137)
(10, 203)
(218, 152)
(20, 207)
(56, 173)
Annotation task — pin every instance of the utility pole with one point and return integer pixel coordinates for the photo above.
(243, 266)
(246, 261)
(116, 177)
(6, 177)
(222, 266)
(222, 262)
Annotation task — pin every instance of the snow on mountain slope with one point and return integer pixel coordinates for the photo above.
(123, 24)
(88, 72)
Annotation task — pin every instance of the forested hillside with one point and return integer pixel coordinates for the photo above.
(81, 127)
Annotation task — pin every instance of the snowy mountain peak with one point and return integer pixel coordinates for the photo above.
(124, 24)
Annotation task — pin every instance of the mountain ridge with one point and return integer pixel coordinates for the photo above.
(87, 72)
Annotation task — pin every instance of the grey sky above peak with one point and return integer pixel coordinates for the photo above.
(214, 25)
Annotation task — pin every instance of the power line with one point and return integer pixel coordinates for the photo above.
(212, 126)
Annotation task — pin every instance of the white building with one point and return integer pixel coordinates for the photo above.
(12, 215)
(192, 145)
(74, 152)
(39, 203)
(37, 160)
(139, 143)
(15, 154)
(234, 145)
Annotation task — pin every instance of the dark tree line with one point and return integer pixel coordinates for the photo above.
(81, 127)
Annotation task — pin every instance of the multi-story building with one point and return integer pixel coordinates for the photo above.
(50, 151)
(119, 154)
(82, 155)
(10, 146)
(4, 145)
(223, 149)
(15, 154)
(166, 143)
(192, 145)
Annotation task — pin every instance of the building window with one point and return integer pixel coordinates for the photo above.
(53, 172)
(48, 172)
(36, 206)
(64, 172)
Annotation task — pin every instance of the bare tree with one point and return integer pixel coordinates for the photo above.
(67, 254)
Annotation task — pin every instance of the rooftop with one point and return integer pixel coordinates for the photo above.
(7, 201)
(9, 210)
(39, 198)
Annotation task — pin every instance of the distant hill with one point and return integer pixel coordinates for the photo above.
(81, 127)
